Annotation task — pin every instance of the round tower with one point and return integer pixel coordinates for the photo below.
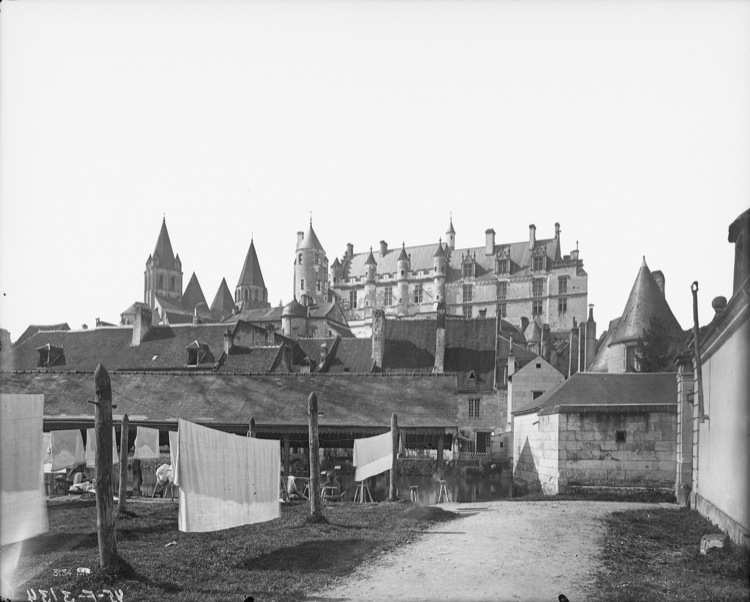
(336, 272)
(371, 268)
(310, 268)
(402, 265)
(439, 267)
(450, 236)
(294, 320)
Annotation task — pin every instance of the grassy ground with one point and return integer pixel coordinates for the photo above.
(654, 555)
(276, 560)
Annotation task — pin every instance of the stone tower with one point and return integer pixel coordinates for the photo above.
(450, 236)
(439, 265)
(251, 290)
(310, 269)
(402, 265)
(163, 275)
(371, 268)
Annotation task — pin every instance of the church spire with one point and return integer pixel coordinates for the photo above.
(163, 249)
(251, 289)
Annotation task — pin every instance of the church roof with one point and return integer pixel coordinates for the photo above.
(193, 294)
(310, 240)
(251, 274)
(163, 248)
(223, 301)
(645, 303)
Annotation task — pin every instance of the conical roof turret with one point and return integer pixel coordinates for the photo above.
(193, 294)
(223, 301)
(163, 250)
(403, 256)
(371, 259)
(294, 309)
(439, 252)
(310, 240)
(450, 229)
(251, 274)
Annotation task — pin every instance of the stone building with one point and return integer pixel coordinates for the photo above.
(526, 282)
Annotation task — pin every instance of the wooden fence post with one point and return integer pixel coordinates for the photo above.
(124, 441)
(394, 447)
(315, 503)
(251, 432)
(105, 517)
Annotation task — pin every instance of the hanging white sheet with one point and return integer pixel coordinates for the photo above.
(67, 449)
(372, 455)
(47, 452)
(91, 448)
(225, 480)
(173, 446)
(23, 507)
(146, 444)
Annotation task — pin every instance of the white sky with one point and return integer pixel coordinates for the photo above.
(628, 122)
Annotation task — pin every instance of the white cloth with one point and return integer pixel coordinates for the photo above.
(67, 449)
(146, 444)
(91, 448)
(47, 452)
(372, 455)
(173, 446)
(225, 480)
(23, 507)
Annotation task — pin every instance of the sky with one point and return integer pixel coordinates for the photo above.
(627, 122)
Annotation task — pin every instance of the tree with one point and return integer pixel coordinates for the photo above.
(657, 348)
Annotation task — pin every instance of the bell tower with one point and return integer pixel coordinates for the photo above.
(163, 275)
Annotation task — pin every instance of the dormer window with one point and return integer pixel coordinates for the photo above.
(468, 266)
(198, 353)
(539, 260)
(502, 261)
(50, 356)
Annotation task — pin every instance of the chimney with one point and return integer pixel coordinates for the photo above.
(141, 325)
(557, 230)
(546, 336)
(228, 341)
(349, 249)
(300, 236)
(532, 236)
(383, 248)
(659, 277)
(378, 338)
(719, 304)
(524, 324)
(489, 242)
(439, 366)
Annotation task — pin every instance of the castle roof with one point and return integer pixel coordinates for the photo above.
(223, 301)
(645, 303)
(371, 259)
(294, 309)
(439, 252)
(193, 294)
(450, 229)
(310, 240)
(163, 249)
(251, 274)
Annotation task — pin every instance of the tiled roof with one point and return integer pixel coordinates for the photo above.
(223, 303)
(230, 399)
(596, 389)
(193, 295)
(600, 362)
(261, 314)
(251, 360)
(422, 258)
(310, 240)
(163, 248)
(32, 329)
(251, 274)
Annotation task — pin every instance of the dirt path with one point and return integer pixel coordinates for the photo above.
(512, 551)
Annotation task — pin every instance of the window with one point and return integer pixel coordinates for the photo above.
(246, 294)
(535, 394)
(474, 407)
(316, 260)
(538, 263)
(467, 311)
(468, 270)
(301, 284)
(467, 293)
(537, 288)
(192, 357)
(484, 442)
(502, 309)
(536, 308)
(418, 293)
(161, 281)
(353, 299)
(562, 285)
(620, 437)
(562, 305)
(502, 291)
(172, 284)
(299, 259)
(255, 295)
(317, 285)
(388, 296)
(503, 266)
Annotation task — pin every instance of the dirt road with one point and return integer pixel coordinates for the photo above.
(516, 551)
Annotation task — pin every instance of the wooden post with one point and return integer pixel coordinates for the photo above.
(697, 352)
(440, 452)
(315, 503)
(286, 455)
(394, 434)
(105, 517)
(124, 440)
(251, 432)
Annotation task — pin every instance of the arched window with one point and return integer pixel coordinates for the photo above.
(172, 284)
(246, 294)
(161, 281)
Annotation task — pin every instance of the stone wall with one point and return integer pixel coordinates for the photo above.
(591, 455)
(492, 406)
(535, 454)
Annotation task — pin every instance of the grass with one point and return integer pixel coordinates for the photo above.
(654, 555)
(283, 559)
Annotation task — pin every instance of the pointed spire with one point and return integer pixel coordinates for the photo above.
(403, 256)
(371, 259)
(223, 301)
(193, 295)
(251, 274)
(450, 229)
(310, 239)
(163, 248)
(439, 252)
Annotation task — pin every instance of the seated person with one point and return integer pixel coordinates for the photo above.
(331, 487)
(164, 479)
(291, 489)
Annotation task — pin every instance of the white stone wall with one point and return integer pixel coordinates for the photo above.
(537, 375)
(535, 454)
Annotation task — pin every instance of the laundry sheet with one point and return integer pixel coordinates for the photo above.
(225, 480)
(91, 448)
(23, 504)
(173, 443)
(146, 444)
(47, 451)
(67, 449)
(372, 455)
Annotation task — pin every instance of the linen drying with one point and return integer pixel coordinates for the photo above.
(67, 449)
(47, 452)
(23, 507)
(91, 448)
(372, 456)
(225, 480)
(173, 448)
(146, 444)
